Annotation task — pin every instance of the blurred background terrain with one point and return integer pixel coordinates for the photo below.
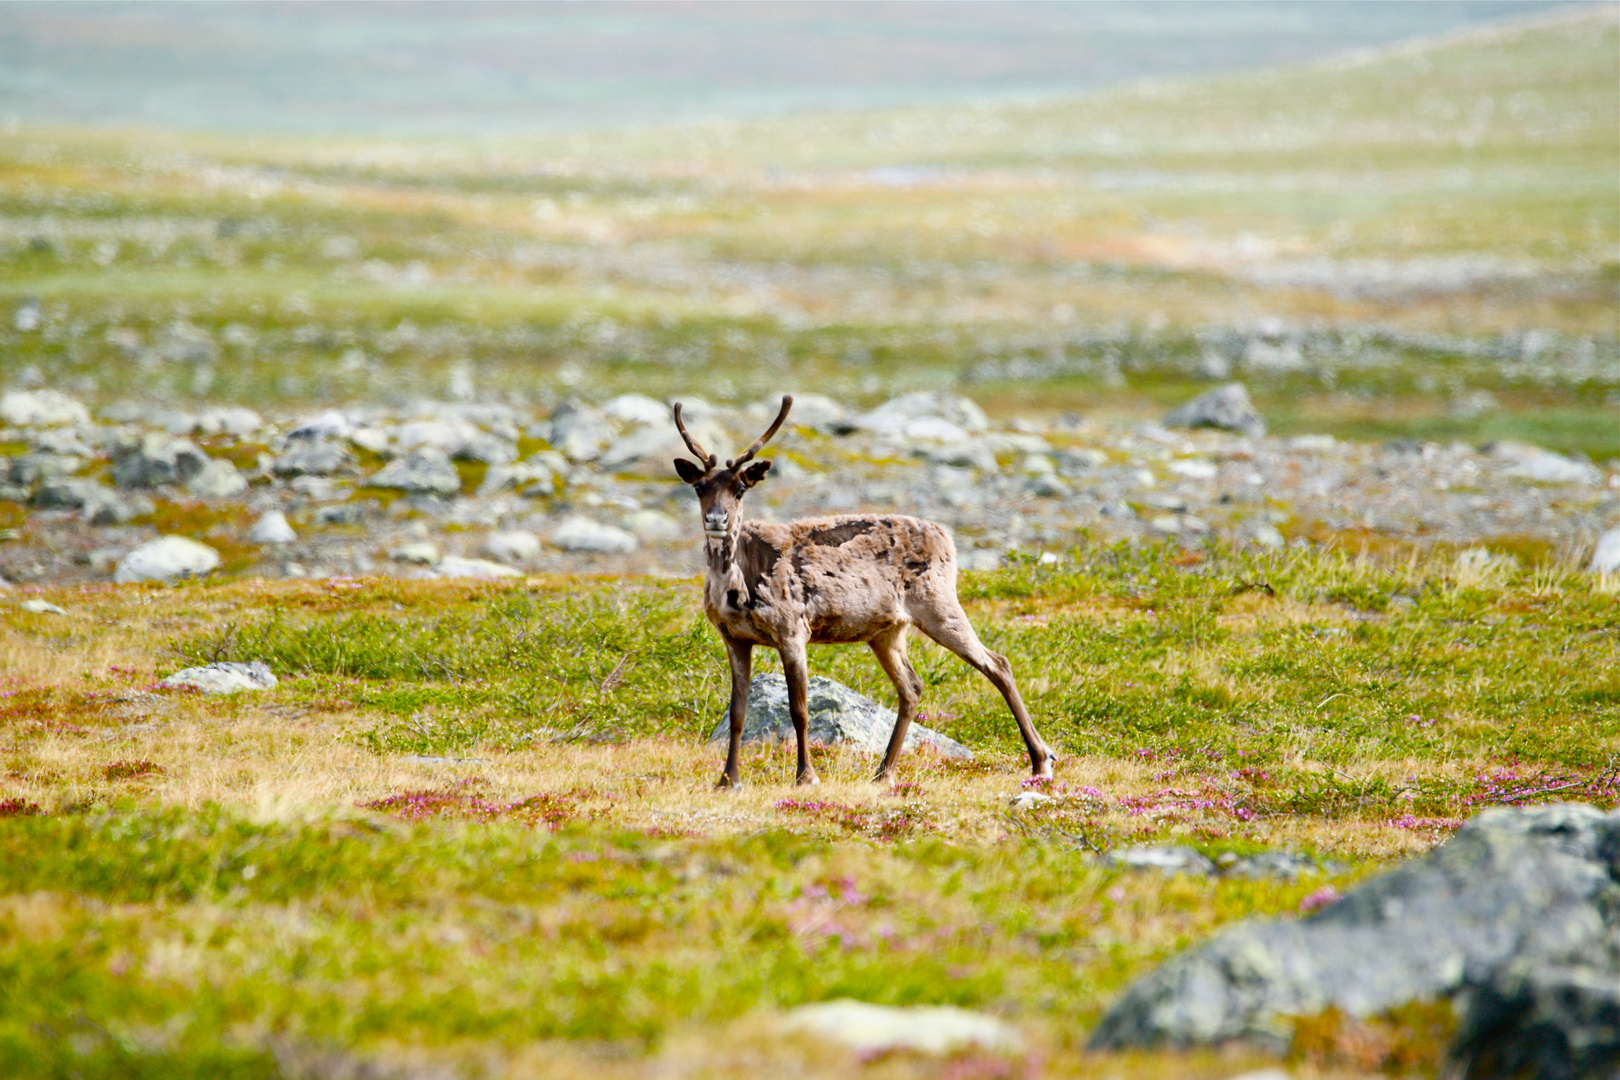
(1387, 219)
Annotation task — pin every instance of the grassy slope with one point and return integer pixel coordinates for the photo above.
(1105, 232)
(473, 825)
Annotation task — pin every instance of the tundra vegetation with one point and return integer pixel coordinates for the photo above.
(472, 830)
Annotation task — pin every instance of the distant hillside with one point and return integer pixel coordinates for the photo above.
(476, 68)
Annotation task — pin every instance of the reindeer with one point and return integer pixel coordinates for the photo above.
(844, 579)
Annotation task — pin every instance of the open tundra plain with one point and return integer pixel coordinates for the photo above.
(405, 404)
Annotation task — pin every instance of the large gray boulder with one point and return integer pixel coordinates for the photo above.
(1227, 408)
(1517, 920)
(838, 717)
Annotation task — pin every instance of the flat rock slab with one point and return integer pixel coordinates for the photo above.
(838, 717)
(926, 1029)
(1520, 909)
(223, 678)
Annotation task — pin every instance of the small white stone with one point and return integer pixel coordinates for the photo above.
(166, 558)
(37, 606)
(928, 1029)
(457, 566)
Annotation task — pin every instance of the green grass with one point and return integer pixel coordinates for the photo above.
(238, 886)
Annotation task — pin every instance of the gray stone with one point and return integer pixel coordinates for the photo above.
(41, 408)
(579, 533)
(1606, 557)
(1225, 407)
(654, 526)
(424, 471)
(1528, 462)
(897, 415)
(818, 412)
(421, 552)
(512, 546)
(1047, 486)
(313, 456)
(578, 431)
(272, 528)
(637, 409)
(649, 451)
(223, 678)
(32, 468)
(166, 558)
(331, 424)
(1169, 860)
(838, 717)
(1515, 890)
(925, 1029)
(487, 448)
(219, 479)
(964, 454)
(530, 478)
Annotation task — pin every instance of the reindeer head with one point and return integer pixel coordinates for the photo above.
(720, 491)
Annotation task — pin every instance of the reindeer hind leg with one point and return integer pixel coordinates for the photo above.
(890, 648)
(946, 623)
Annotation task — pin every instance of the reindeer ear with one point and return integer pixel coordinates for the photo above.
(755, 473)
(687, 471)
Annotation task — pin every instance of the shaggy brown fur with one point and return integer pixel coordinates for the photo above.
(831, 580)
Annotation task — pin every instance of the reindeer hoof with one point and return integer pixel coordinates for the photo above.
(727, 783)
(808, 780)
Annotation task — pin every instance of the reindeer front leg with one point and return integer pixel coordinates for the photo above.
(741, 655)
(796, 670)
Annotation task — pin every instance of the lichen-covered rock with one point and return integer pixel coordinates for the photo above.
(1516, 891)
(838, 717)
(166, 558)
(1227, 408)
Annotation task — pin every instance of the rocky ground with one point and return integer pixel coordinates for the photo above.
(470, 489)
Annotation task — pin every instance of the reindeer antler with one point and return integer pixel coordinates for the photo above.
(787, 403)
(706, 459)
